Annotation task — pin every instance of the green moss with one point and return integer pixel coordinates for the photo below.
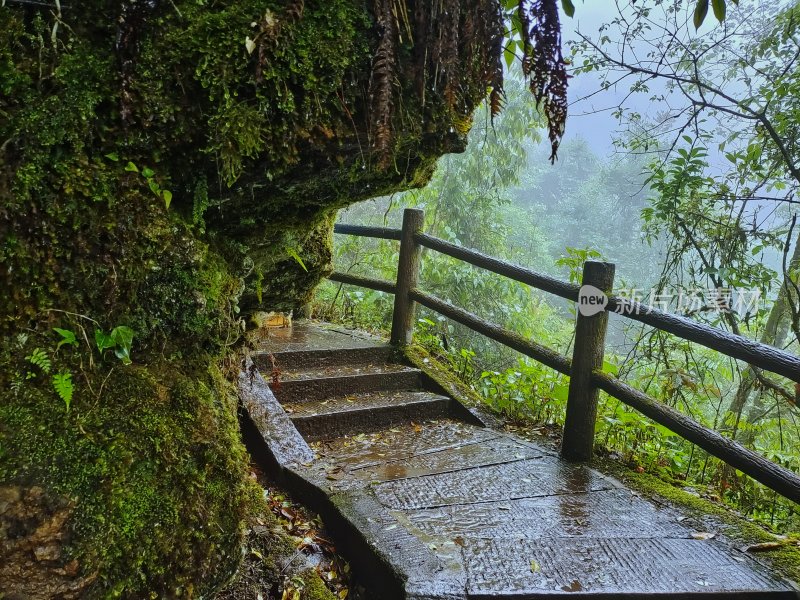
(445, 377)
(153, 467)
(314, 588)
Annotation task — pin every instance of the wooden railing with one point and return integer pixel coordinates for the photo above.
(584, 369)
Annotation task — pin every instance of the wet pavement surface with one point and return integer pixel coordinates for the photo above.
(308, 336)
(462, 511)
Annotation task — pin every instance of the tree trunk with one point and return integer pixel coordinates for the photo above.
(775, 333)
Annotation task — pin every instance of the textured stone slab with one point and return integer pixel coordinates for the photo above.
(474, 454)
(501, 567)
(607, 513)
(400, 442)
(509, 481)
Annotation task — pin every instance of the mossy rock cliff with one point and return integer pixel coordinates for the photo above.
(167, 167)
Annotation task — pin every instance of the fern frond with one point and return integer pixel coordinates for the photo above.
(39, 358)
(62, 384)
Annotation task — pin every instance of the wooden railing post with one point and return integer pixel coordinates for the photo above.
(407, 276)
(587, 355)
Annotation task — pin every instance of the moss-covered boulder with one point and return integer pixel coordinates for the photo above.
(165, 168)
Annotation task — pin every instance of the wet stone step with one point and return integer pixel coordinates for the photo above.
(600, 514)
(291, 360)
(527, 478)
(400, 443)
(313, 336)
(614, 567)
(478, 454)
(309, 385)
(374, 411)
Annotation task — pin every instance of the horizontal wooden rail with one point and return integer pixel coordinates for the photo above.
(753, 352)
(501, 267)
(776, 477)
(368, 282)
(384, 233)
(737, 346)
(536, 351)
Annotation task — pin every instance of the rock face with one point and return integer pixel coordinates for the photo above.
(166, 168)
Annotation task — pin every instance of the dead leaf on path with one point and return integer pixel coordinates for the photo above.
(703, 535)
(535, 568)
(460, 541)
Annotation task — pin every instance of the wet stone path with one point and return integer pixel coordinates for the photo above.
(431, 504)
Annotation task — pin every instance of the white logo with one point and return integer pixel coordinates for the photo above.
(591, 300)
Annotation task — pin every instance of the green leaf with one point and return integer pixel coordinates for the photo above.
(719, 9)
(560, 392)
(148, 172)
(610, 368)
(700, 12)
(509, 56)
(123, 339)
(293, 253)
(131, 167)
(67, 337)
(569, 7)
(113, 156)
(103, 341)
(154, 187)
(167, 195)
(62, 384)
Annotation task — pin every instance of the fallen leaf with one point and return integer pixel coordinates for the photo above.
(764, 547)
(460, 541)
(535, 568)
(703, 535)
(575, 586)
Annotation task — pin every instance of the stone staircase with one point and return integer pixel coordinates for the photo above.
(359, 386)
(430, 504)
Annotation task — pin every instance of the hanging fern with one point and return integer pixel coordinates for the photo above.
(456, 42)
(62, 384)
(382, 81)
(543, 64)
